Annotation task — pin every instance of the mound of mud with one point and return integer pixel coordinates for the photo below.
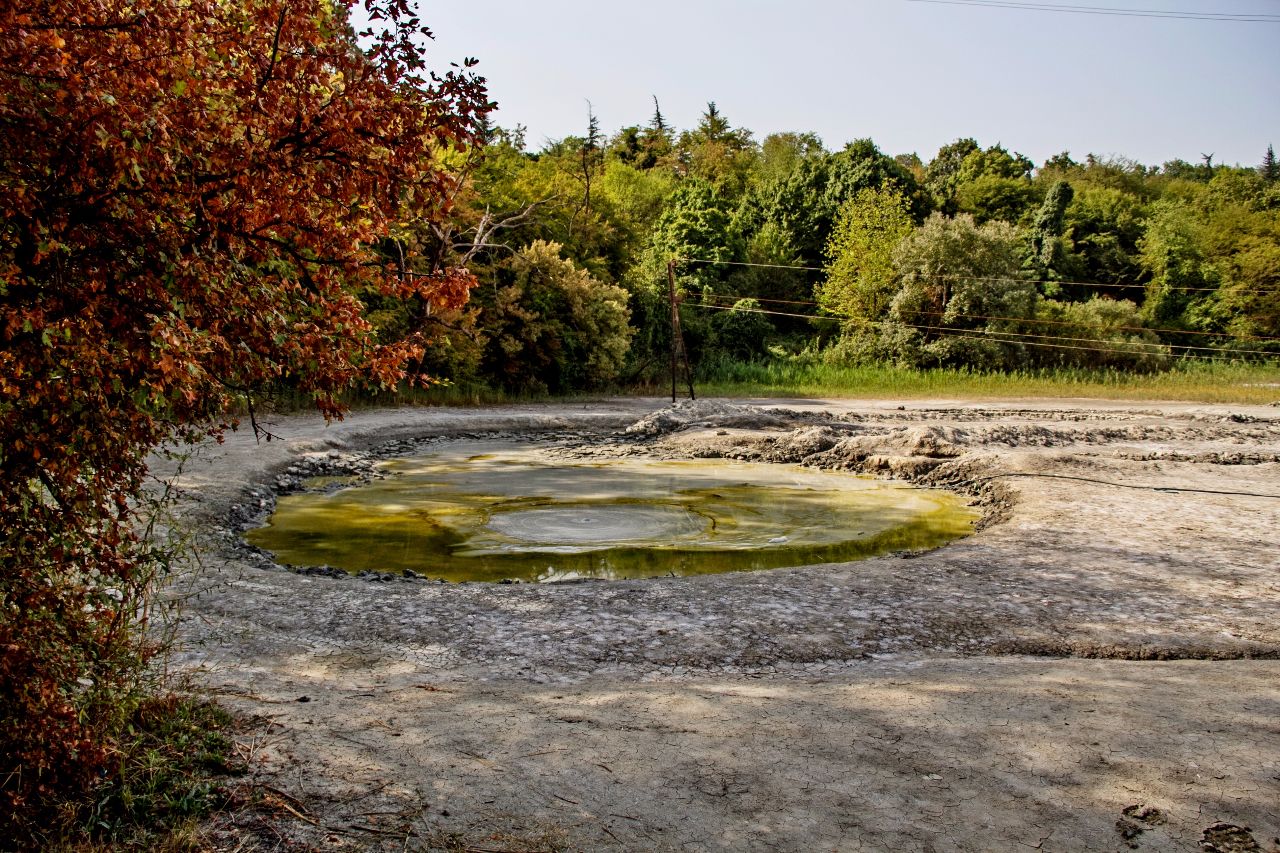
(704, 413)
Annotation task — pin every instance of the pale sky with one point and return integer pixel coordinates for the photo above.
(910, 75)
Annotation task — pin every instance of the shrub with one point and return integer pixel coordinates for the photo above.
(552, 325)
(1100, 333)
(741, 333)
(962, 300)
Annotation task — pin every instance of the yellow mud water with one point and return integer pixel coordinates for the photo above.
(476, 511)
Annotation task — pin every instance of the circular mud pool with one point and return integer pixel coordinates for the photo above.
(481, 511)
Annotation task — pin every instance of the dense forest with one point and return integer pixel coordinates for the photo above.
(785, 249)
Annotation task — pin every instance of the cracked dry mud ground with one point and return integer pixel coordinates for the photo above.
(1095, 669)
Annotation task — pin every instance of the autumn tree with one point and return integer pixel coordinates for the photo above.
(191, 197)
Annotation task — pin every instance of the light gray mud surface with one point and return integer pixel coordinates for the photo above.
(1095, 669)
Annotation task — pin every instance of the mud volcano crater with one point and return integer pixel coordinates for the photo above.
(525, 511)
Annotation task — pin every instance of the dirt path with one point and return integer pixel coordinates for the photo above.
(1096, 669)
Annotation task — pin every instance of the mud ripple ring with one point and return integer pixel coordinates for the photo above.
(581, 524)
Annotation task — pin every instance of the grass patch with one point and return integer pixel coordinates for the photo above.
(1204, 383)
(165, 776)
(287, 401)
(1197, 382)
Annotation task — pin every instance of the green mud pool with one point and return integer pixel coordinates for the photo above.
(476, 511)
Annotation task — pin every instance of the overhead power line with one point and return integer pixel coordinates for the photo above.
(746, 264)
(1009, 279)
(1129, 285)
(1114, 11)
(1033, 320)
(761, 299)
(1094, 349)
(1138, 486)
(1025, 339)
(1069, 323)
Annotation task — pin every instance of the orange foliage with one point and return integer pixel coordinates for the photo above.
(191, 196)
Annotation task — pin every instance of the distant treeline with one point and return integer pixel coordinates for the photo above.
(974, 258)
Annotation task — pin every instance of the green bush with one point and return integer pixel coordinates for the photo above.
(552, 326)
(740, 333)
(1100, 333)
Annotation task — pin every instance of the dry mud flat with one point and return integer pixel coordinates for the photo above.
(1098, 668)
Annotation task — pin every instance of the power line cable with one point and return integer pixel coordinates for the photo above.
(747, 264)
(762, 299)
(1017, 337)
(1042, 345)
(1010, 279)
(1112, 11)
(1036, 320)
(1011, 338)
(755, 311)
(1124, 485)
(1130, 285)
(1101, 328)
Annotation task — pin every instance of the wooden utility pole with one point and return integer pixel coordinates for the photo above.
(678, 351)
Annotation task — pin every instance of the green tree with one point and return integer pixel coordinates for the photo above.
(590, 156)
(656, 141)
(773, 274)
(861, 165)
(1060, 163)
(552, 326)
(1182, 170)
(992, 197)
(942, 175)
(1102, 227)
(1046, 247)
(1181, 275)
(644, 147)
(993, 184)
(1118, 173)
(634, 199)
(962, 299)
(741, 333)
(718, 153)
(1214, 261)
(804, 206)
(782, 153)
(860, 275)
(996, 161)
(1269, 169)
(1098, 334)
(696, 224)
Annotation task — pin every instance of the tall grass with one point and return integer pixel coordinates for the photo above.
(1257, 384)
(291, 401)
(1191, 382)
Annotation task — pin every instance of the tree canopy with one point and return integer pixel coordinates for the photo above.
(789, 223)
(193, 198)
